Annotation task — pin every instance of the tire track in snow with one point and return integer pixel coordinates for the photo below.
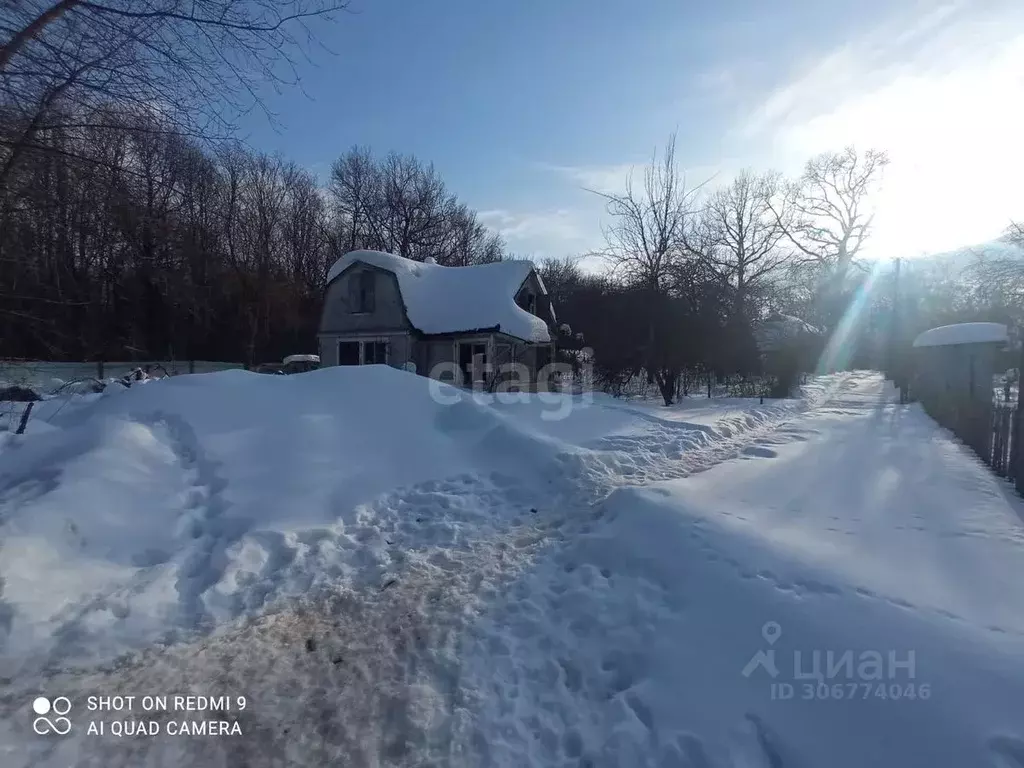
(354, 675)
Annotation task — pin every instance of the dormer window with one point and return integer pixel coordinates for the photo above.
(531, 304)
(363, 292)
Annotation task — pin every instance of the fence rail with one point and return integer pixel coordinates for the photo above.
(992, 431)
(46, 376)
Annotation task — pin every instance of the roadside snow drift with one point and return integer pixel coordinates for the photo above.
(149, 513)
(175, 505)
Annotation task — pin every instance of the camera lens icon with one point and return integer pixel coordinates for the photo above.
(43, 725)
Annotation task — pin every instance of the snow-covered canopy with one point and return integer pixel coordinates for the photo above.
(777, 329)
(963, 333)
(301, 359)
(456, 299)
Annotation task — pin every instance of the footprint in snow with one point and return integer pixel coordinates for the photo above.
(818, 587)
(759, 451)
(1007, 752)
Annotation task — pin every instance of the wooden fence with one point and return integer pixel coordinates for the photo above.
(992, 431)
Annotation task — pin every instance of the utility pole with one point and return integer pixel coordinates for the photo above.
(1016, 426)
(896, 366)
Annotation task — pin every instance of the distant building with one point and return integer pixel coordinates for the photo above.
(958, 361)
(953, 372)
(788, 347)
(777, 332)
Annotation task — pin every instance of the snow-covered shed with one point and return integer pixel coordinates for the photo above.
(778, 331)
(957, 361)
(788, 346)
(383, 308)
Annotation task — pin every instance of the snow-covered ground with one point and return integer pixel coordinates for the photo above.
(394, 573)
(857, 530)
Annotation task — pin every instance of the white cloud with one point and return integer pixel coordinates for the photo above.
(543, 233)
(717, 80)
(611, 179)
(606, 179)
(943, 93)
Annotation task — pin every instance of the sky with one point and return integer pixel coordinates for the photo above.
(524, 106)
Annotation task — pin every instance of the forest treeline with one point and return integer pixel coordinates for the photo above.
(132, 226)
(127, 241)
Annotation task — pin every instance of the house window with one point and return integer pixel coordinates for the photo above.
(362, 352)
(527, 301)
(363, 292)
(375, 352)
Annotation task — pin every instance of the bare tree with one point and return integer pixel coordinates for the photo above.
(562, 277)
(646, 243)
(1014, 234)
(742, 229)
(647, 235)
(401, 205)
(829, 217)
(1002, 273)
(195, 64)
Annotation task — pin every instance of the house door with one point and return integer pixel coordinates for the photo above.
(375, 352)
(472, 362)
(348, 353)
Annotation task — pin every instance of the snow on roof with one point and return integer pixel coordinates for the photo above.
(778, 328)
(301, 359)
(963, 333)
(455, 299)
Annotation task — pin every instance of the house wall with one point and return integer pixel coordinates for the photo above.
(441, 351)
(532, 285)
(401, 346)
(338, 316)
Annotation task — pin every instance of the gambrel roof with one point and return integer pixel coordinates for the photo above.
(441, 299)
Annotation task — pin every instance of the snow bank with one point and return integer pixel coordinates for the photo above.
(334, 534)
(172, 507)
(963, 333)
(452, 299)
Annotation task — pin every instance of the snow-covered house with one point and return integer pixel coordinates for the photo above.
(383, 308)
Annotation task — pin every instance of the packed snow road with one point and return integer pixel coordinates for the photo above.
(847, 593)
(396, 576)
